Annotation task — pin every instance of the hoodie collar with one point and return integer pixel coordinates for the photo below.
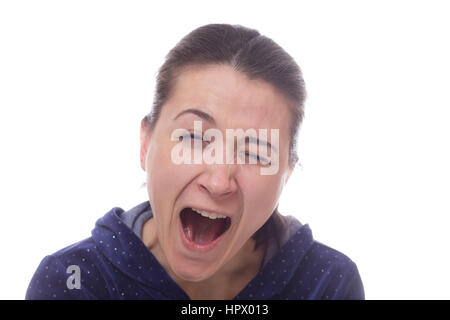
(126, 252)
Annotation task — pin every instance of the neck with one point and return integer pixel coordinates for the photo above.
(230, 279)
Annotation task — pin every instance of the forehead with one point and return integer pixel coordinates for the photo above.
(230, 97)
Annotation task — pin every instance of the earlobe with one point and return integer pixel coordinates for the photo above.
(143, 162)
(143, 154)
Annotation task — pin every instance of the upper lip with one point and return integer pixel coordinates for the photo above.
(208, 210)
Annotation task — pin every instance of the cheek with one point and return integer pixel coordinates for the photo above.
(158, 179)
(261, 198)
(165, 179)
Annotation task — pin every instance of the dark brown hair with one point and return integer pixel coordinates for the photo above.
(251, 53)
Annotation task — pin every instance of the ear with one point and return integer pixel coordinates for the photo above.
(145, 135)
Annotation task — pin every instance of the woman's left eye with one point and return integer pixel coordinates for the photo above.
(260, 160)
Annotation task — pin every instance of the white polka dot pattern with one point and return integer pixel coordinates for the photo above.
(115, 264)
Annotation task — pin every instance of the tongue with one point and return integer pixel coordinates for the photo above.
(201, 230)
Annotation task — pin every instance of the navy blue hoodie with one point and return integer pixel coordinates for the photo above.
(115, 264)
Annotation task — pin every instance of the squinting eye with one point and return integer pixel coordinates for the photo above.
(191, 136)
(260, 160)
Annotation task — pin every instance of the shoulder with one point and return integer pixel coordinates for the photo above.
(330, 274)
(320, 253)
(70, 273)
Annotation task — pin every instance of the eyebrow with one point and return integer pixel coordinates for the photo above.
(198, 113)
(209, 118)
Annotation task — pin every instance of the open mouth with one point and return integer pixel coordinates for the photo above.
(202, 227)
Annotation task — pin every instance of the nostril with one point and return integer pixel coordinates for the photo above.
(217, 192)
(203, 188)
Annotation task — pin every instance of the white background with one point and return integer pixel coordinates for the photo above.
(76, 77)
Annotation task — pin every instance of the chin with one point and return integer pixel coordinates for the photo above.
(193, 272)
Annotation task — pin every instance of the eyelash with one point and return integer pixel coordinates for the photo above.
(260, 160)
(192, 137)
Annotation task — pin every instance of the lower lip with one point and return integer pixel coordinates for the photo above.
(190, 245)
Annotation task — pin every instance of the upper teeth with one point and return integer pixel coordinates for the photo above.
(209, 214)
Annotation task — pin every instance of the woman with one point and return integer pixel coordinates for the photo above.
(211, 228)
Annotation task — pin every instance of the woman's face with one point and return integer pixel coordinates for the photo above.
(196, 247)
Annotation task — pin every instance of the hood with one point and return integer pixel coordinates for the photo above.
(126, 253)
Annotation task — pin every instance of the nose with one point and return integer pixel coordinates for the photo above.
(219, 180)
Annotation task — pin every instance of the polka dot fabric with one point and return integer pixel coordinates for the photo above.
(115, 264)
